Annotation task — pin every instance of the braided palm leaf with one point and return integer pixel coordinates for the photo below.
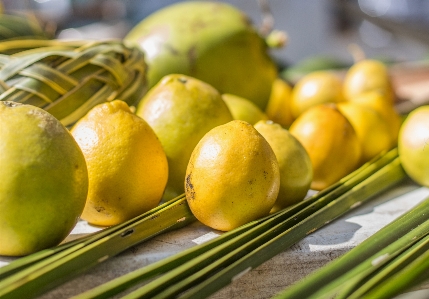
(67, 79)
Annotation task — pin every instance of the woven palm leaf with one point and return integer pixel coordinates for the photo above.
(67, 79)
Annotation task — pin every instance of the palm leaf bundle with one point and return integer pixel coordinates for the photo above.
(68, 78)
(388, 263)
(202, 270)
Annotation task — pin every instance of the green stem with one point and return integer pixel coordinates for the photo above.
(57, 268)
(387, 242)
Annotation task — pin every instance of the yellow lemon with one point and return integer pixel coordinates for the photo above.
(378, 101)
(243, 109)
(413, 145)
(44, 180)
(278, 108)
(370, 127)
(368, 75)
(313, 89)
(232, 177)
(127, 166)
(296, 172)
(181, 109)
(330, 141)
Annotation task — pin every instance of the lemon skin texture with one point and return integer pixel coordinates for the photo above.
(296, 171)
(330, 141)
(316, 88)
(127, 166)
(243, 109)
(368, 75)
(413, 145)
(380, 102)
(371, 129)
(44, 180)
(181, 109)
(232, 177)
(278, 108)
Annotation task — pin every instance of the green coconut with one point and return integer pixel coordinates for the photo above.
(212, 41)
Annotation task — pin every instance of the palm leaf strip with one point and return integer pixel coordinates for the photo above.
(35, 274)
(395, 242)
(207, 258)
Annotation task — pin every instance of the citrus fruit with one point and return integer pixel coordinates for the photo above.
(232, 177)
(212, 41)
(127, 166)
(313, 89)
(243, 109)
(368, 75)
(413, 145)
(181, 109)
(378, 101)
(296, 172)
(370, 127)
(44, 180)
(278, 108)
(330, 141)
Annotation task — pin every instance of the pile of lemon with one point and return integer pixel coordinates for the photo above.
(342, 120)
(220, 149)
(234, 161)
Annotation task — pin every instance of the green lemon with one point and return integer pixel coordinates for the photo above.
(296, 172)
(44, 180)
(212, 41)
(181, 109)
(243, 109)
(413, 145)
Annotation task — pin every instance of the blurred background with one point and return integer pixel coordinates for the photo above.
(322, 34)
(393, 30)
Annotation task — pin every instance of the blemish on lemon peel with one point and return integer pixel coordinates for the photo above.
(189, 187)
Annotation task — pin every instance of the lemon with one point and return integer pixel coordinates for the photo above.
(380, 102)
(232, 177)
(44, 180)
(278, 108)
(331, 142)
(127, 166)
(371, 129)
(413, 145)
(368, 75)
(181, 109)
(313, 89)
(296, 172)
(243, 109)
